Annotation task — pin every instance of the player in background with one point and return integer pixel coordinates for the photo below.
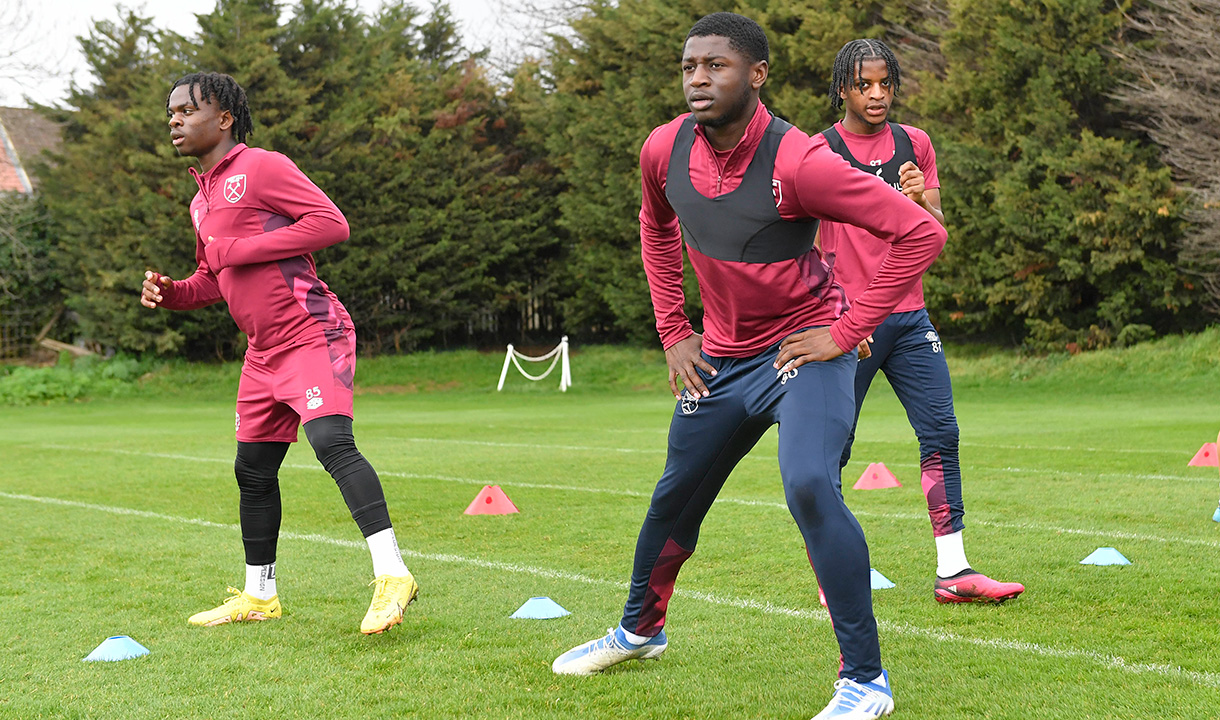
(906, 347)
(257, 220)
(746, 190)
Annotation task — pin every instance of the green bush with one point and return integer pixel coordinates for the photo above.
(87, 377)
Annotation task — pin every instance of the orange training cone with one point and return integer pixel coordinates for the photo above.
(491, 500)
(876, 477)
(1205, 457)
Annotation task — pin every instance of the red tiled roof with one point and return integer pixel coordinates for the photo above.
(10, 181)
(28, 133)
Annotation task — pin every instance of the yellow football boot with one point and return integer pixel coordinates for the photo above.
(238, 608)
(391, 596)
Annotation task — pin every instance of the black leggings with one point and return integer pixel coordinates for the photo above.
(257, 470)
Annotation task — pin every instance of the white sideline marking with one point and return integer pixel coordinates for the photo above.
(533, 446)
(769, 458)
(1112, 662)
(1029, 526)
(1063, 448)
(878, 441)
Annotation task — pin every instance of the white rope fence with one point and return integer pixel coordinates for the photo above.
(557, 356)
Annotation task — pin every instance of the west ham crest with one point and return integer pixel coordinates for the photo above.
(235, 187)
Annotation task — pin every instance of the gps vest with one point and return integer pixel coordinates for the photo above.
(888, 171)
(743, 225)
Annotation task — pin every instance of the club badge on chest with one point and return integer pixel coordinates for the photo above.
(234, 187)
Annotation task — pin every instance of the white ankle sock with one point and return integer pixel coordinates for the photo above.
(950, 555)
(260, 581)
(387, 560)
(633, 638)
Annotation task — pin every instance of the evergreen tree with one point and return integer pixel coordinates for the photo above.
(1061, 226)
(118, 193)
(387, 115)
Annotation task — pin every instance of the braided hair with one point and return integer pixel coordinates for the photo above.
(744, 35)
(849, 63)
(228, 94)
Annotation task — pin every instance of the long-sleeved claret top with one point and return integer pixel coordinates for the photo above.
(748, 306)
(266, 218)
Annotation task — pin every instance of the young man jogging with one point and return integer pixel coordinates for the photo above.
(746, 189)
(905, 346)
(257, 218)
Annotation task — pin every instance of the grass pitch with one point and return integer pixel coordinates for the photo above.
(120, 518)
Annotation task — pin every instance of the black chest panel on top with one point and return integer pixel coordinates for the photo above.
(743, 225)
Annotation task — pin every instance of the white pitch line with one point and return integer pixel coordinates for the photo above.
(1065, 448)
(1026, 526)
(1042, 472)
(768, 458)
(534, 446)
(1111, 662)
(872, 441)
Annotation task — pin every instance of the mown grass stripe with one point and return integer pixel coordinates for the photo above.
(1027, 526)
(1112, 662)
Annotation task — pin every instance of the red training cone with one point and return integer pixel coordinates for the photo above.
(876, 477)
(1205, 457)
(491, 500)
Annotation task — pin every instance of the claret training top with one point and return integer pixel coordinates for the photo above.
(749, 306)
(266, 217)
(857, 252)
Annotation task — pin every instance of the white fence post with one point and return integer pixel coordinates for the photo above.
(508, 357)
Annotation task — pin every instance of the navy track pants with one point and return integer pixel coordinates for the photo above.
(813, 406)
(908, 350)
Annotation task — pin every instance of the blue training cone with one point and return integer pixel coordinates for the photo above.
(1105, 556)
(1216, 515)
(879, 581)
(118, 647)
(539, 608)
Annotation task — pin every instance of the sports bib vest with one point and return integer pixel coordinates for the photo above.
(743, 225)
(904, 152)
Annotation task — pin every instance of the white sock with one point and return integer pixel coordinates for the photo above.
(633, 638)
(950, 555)
(260, 581)
(387, 560)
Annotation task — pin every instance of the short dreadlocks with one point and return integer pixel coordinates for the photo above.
(228, 94)
(850, 62)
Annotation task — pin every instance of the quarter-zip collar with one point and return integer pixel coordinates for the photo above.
(736, 160)
(205, 179)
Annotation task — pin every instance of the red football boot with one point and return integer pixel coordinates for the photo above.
(970, 586)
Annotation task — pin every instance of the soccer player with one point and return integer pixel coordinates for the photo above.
(746, 188)
(257, 218)
(906, 347)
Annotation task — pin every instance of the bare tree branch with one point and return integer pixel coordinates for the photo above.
(23, 62)
(1176, 92)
